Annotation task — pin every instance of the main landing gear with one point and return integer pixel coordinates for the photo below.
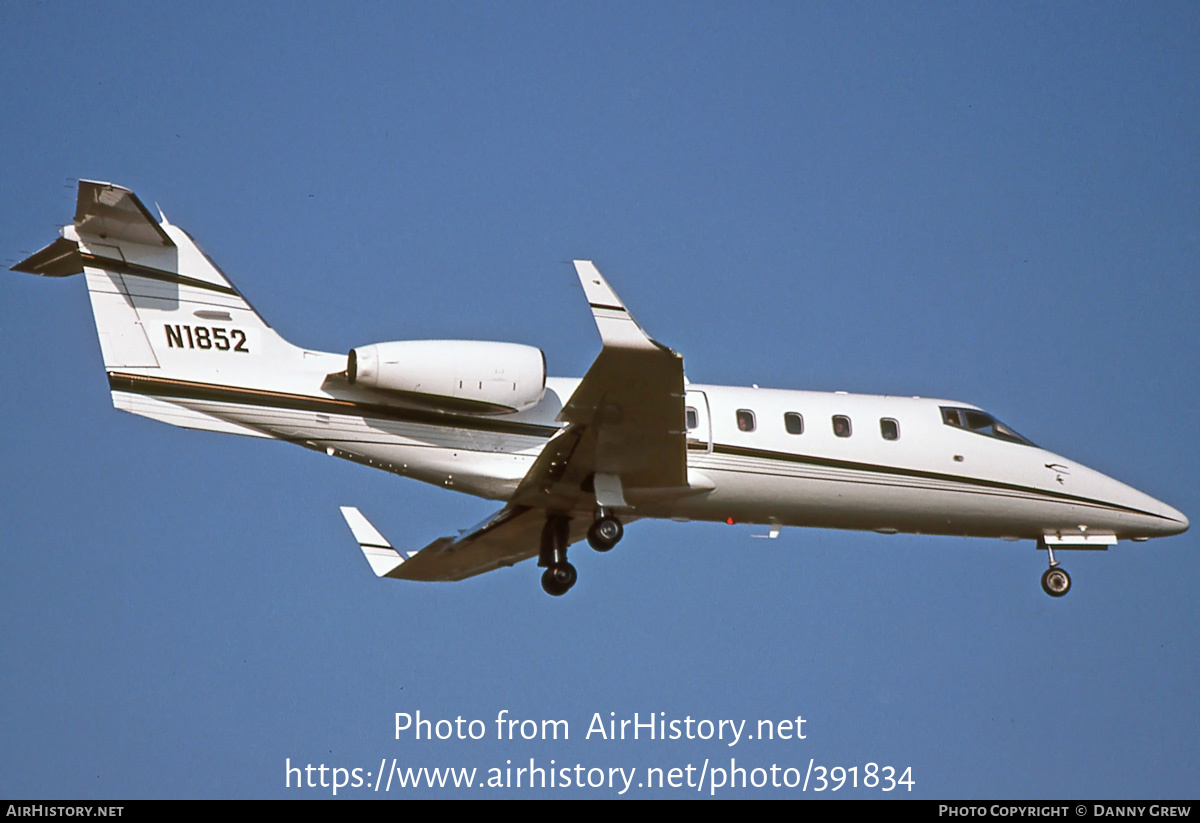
(1055, 580)
(605, 533)
(558, 579)
(559, 575)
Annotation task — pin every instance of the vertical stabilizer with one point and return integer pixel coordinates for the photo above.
(168, 318)
(161, 305)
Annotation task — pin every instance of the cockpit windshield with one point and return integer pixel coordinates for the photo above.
(981, 423)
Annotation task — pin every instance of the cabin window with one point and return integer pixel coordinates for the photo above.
(794, 423)
(693, 418)
(745, 420)
(841, 425)
(889, 428)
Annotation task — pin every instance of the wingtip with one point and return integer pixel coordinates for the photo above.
(379, 553)
(587, 271)
(616, 325)
(598, 292)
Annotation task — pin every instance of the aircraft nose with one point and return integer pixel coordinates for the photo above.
(1143, 517)
(1167, 519)
(1181, 521)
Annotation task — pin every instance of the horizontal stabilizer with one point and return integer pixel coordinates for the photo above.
(60, 259)
(110, 213)
(115, 213)
(160, 303)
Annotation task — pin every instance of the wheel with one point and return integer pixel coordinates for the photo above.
(605, 533)
(558, 579)
(1056, 582)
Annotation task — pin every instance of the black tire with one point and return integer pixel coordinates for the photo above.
(558, 579)
(605, 533)
(1056, 582)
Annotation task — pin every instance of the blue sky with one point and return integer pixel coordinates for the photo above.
(994, 203)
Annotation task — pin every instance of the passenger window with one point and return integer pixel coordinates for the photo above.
(841, 425)
(794, 423)
(889, 428)
(745, 420)
(693, 418)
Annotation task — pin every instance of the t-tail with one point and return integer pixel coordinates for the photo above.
(168, 318)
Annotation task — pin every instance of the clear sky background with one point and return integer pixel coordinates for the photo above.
(996, 203)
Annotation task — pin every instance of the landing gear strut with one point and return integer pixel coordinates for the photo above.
(1055, 581)
(560, 575)
(605, 533)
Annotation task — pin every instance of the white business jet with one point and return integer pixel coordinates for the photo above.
(568, 458)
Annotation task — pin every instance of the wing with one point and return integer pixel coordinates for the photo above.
(625, 431)
(625, 420)
(509, 536)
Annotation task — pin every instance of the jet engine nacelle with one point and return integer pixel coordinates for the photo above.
(456, 375)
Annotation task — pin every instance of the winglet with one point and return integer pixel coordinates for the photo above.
(617, 327)
(379, 553)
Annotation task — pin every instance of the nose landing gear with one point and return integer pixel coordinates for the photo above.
(1055, 580)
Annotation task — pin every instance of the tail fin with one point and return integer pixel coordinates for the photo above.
(163, 309)
(156, 296)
